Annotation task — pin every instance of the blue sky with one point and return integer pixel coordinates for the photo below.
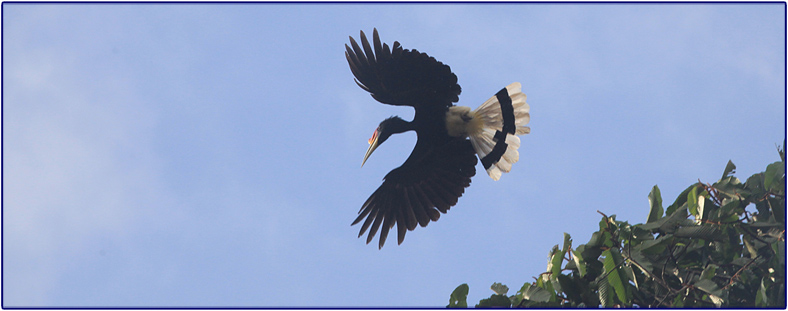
(209, 155)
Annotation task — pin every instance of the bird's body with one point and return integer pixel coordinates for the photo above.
(444, 159)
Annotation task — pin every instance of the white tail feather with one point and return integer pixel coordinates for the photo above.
(483, 142)
(491, 115)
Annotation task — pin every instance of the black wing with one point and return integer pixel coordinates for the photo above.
(399, 76)
(415, 192)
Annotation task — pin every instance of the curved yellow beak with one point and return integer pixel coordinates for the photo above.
(373, 144)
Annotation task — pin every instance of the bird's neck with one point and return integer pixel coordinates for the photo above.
(398, 125)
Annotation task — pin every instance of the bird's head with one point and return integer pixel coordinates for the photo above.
(389, 126)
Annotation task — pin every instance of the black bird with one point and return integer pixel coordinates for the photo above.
(443, 161)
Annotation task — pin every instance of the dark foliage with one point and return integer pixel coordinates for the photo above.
(718, 245)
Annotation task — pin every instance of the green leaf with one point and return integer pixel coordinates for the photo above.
(656, 246)
(579, 263)
(614, 277)
(603, 224)
(775, 173)
(761, 297)
(730, 168)
(714, 291)
(499, 288)
(655, 201)
(604, 292)
(779, 259)
(707, 285)
(596, 239)
(716, 300)
(761, 224)
(778, 208)
(729, 207)
(754, 186)
(544, 282)
(729, 186)
(680, 200)
(640, 234)
(517, 298)
(630, 274)
(554, 266)
(669, 223)
(692, 202)
(535, 293)
(750, 248)
(607, 239)
(643, 263)
(567, 243)
(706, 232)
(708, 272)
(678, 302)
(459, 296)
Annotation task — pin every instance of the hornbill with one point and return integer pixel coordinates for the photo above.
(443, 161)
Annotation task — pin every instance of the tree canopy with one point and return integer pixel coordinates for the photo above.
(709, 248)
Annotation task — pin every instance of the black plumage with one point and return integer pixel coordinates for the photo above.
(440, 166)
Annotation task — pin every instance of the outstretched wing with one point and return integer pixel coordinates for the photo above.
(399, 76)
(419, 190)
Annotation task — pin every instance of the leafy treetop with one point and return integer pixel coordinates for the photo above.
(704, 250)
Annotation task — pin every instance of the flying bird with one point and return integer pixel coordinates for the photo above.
(449, 137)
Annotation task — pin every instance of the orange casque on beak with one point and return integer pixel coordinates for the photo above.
(373, 144)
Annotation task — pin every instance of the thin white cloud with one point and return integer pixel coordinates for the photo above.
(77, 160)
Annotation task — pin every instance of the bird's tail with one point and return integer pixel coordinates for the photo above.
(502, 117)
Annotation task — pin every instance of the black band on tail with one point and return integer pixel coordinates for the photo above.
(498, 150)
(507, 111)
